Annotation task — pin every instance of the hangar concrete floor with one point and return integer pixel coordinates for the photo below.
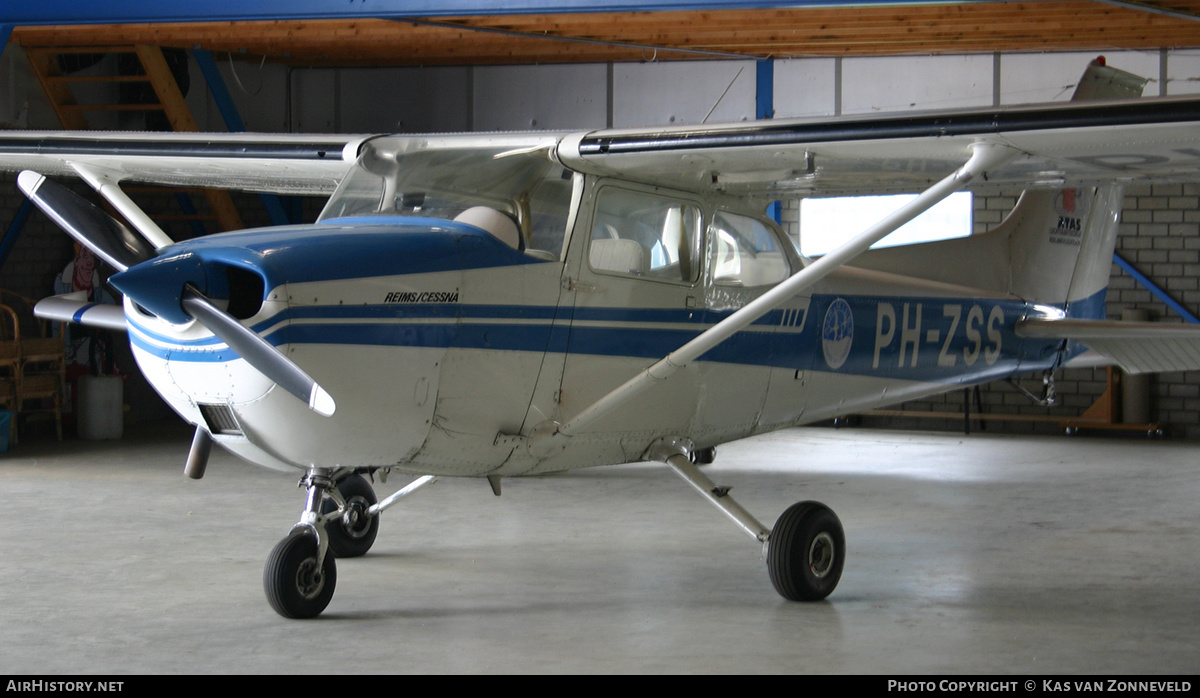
(967, 554)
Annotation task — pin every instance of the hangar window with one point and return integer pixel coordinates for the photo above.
(826, 223)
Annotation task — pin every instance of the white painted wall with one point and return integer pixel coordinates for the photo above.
(682, 93)
(806, 87)
(1183, 70)
(545, 97)
(923, 82)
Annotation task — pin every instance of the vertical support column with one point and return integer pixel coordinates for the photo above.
(1164, 72)
(764, 84)
(764, 108)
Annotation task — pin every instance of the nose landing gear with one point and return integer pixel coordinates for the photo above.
(299, 577)
(301, 574)
(340, 519)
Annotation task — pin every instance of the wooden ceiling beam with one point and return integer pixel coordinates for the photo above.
(556, 38)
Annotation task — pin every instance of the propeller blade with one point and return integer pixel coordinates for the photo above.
(75, 308)
(258, 352)
(107, 237)
(122, 248)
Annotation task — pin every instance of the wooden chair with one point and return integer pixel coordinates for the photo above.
(42, 378)
(10, 366)
(41, 375)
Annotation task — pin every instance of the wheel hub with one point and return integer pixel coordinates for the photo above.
(309, 580)
(355, 520)
(820, 554)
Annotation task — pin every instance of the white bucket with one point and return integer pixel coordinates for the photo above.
(101, 407)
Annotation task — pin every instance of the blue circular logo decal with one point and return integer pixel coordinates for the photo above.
(837, 333)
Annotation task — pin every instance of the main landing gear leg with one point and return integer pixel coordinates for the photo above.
(806, 549)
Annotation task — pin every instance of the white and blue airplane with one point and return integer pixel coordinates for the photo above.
(498, 305)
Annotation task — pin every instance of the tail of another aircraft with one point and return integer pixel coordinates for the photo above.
(1056, 245)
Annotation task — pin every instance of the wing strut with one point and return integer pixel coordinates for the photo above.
(108, 185)
(984, 156)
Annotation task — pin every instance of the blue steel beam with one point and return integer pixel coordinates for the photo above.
(764, 89)
(127, 11)
(1154, 289)
(14, 230)
(233, 122)
(218, 90)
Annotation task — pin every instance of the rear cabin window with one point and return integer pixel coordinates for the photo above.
(745, 252)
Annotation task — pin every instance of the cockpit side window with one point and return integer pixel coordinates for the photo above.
(361, 192)
(745, 252)
(544, 212)
(397, 177)
(649, 235)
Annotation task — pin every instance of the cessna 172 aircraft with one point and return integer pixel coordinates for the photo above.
(496, 305)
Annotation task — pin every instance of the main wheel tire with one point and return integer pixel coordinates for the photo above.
(806, 551)
(295, 587)
(354, 533)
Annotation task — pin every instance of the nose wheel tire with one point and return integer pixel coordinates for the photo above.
(296, 586)
(353, 534)
(806, 551)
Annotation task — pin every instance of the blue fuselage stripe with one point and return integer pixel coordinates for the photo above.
(925, 339)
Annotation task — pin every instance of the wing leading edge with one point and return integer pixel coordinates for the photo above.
(1125, 140)
(280, 164)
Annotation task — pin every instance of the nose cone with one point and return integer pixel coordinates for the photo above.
(157, 285)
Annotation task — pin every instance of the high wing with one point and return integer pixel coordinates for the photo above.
(1081, 142)
(1132, 140)
(281, 164)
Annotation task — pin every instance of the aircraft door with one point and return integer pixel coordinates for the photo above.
(747, 257)
(635, 272)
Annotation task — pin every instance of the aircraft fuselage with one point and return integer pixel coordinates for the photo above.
(437, 341)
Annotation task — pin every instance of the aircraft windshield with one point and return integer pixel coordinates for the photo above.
(443, 183)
